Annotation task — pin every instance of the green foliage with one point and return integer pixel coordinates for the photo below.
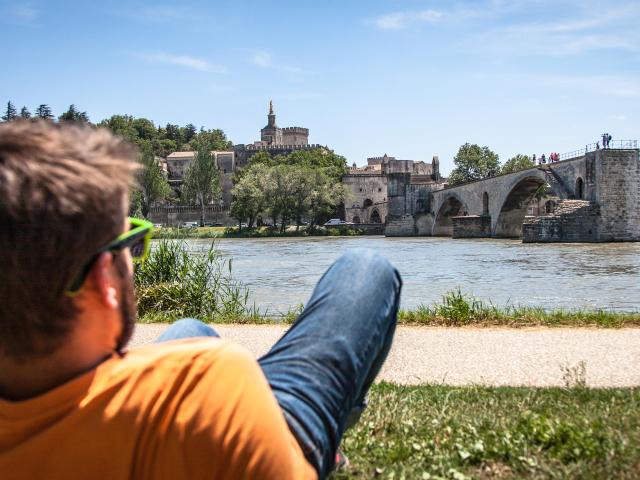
(25, 113)
(251, 194)
(73, 115)
(152, 186)
(460, 309)
(322, 159)
(175, 282)
(10, 113)
(216, 139)
(44, 111)
(201, 184)
(519, 162)
(473, 162)
(164, 141)
(437, 431)
(304, 185)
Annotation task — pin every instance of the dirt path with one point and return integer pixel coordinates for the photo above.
(488, 356)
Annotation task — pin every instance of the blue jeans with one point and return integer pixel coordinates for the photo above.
(321, 369)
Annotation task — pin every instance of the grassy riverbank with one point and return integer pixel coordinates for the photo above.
(261, 232)
(175, 283)
(439, 431)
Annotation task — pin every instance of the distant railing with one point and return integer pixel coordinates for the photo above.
(592, 147)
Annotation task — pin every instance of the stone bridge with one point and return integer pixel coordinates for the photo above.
(599, 193)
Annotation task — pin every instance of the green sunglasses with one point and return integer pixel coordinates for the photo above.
(137, 239)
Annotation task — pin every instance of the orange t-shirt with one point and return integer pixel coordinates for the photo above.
(188, 409)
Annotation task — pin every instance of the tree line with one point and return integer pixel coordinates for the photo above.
(201, 183)
(473, 162)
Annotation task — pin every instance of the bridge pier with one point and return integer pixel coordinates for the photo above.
(472, 226)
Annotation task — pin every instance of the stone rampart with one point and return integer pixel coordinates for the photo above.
(176, 215)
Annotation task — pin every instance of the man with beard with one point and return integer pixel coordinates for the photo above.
(75, 404)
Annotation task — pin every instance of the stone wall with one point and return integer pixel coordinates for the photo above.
(471, 226)
(617, 191)
(367, 193)
(573, 221)
(174, 216)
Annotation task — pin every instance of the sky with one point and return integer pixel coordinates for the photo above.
(411, 79)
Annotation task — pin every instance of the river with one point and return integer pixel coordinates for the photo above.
(281, 272)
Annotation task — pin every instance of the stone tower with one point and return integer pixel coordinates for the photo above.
(271, 134)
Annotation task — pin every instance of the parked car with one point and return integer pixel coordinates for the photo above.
(157, 225)
(336, 222)
(189, 224)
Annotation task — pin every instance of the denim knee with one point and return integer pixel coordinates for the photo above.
(187, 328)
(366, 259)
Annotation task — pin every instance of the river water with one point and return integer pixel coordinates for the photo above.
(280, 273)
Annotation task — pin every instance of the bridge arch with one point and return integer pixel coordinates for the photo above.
(367, 203)
(452, 206)
(375, 216)
(513, 207)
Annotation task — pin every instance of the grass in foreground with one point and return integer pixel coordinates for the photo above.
(459, 309)
(424, 432)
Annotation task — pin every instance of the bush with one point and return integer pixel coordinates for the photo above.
(174, 283)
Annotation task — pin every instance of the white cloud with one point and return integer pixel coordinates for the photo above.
(20, 13)
(401, 20)
(184, 61)
(263, 59)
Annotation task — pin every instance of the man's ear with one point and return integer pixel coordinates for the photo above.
(104, 281)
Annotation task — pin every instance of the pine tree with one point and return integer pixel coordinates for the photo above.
(10, 113)
(189, 132)
(44, 111)
(25, 113)
(73, 115)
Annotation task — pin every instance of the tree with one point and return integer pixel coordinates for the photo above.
(145, 129)
(216, 138)
(44, 111)
(121, 125)
(188, 132)
(73, 115)
(172, 132)
(10, 113)
(153, 187)
(519, 162)
(201, 183)
(25, 113)
(473, 163)
(251, 194)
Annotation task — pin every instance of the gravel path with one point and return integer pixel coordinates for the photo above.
(487, 356)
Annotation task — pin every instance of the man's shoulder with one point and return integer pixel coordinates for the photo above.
(187, 353)
(173, 364)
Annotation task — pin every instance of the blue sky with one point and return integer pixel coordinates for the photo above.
(411, 79)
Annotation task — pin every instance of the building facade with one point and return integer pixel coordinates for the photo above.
(368, 186)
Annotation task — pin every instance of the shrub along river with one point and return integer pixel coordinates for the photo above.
(280, 273)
